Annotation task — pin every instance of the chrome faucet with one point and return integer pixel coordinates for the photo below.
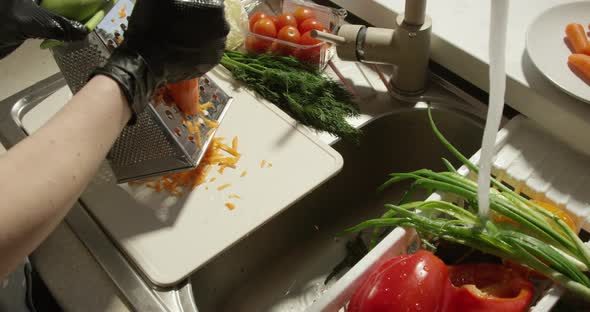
(407, 47)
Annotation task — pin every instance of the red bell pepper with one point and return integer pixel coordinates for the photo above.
(484, 287)
(422, 282)
(406, 283)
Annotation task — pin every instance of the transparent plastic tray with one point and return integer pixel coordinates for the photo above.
(318, 54)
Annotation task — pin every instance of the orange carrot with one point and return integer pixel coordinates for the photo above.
(122, 13)
(558, 212)
(580, 62)
(224, 186)
(230, 206)
(181, 182)
(186, 95)
(576, 35)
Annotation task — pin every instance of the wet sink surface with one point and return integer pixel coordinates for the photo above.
(282, 265)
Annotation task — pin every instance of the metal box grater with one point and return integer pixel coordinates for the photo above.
(159, 142)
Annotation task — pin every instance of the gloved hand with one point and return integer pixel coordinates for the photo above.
(24, 19)
(166, 41)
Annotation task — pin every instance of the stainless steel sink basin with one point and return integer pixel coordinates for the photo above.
(282, 266)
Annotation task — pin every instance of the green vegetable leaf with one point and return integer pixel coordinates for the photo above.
(304, 93)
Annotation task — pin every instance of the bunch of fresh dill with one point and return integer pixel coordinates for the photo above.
(304, 93)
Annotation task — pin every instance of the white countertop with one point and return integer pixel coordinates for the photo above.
(460, 43)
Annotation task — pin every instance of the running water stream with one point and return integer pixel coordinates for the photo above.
(497, 50)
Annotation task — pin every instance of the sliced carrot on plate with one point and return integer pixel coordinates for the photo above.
(581, 62)
(576, 35)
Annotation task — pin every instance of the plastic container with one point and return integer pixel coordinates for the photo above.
(319, 54)
(527, 159)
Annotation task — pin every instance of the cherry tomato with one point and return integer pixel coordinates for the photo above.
(265, 27)
(257, 45)
(311, 54)
(290, 34)
(255, 18)
(303, 13)
(286, 19)
(307, 39)
(310, 24)
(275, 20)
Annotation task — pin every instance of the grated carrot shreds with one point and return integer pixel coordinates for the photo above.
(194, 130)
(199, 140)
(234, 196)
(230, 150)
(234, 144)
(205, 106)
(122, 13)
(244, 173)
(210, 123)
(230, 206)
(179, 183)
(224, 186)
(213, 179)
(218, 153)
(265, 164)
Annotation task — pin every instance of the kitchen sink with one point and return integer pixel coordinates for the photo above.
(283, 265)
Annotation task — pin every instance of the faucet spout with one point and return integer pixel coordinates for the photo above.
(415, 13)
(407, 47)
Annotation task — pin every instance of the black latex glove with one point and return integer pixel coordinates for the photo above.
(24, 19)
(166, 41)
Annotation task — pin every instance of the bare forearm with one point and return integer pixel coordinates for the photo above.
(43, 176)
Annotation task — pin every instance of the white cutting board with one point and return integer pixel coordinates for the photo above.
(169, 238)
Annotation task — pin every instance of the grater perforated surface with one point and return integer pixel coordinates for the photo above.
(135, 144)
(77, 60)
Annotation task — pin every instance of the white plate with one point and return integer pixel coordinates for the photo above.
(546, 46)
